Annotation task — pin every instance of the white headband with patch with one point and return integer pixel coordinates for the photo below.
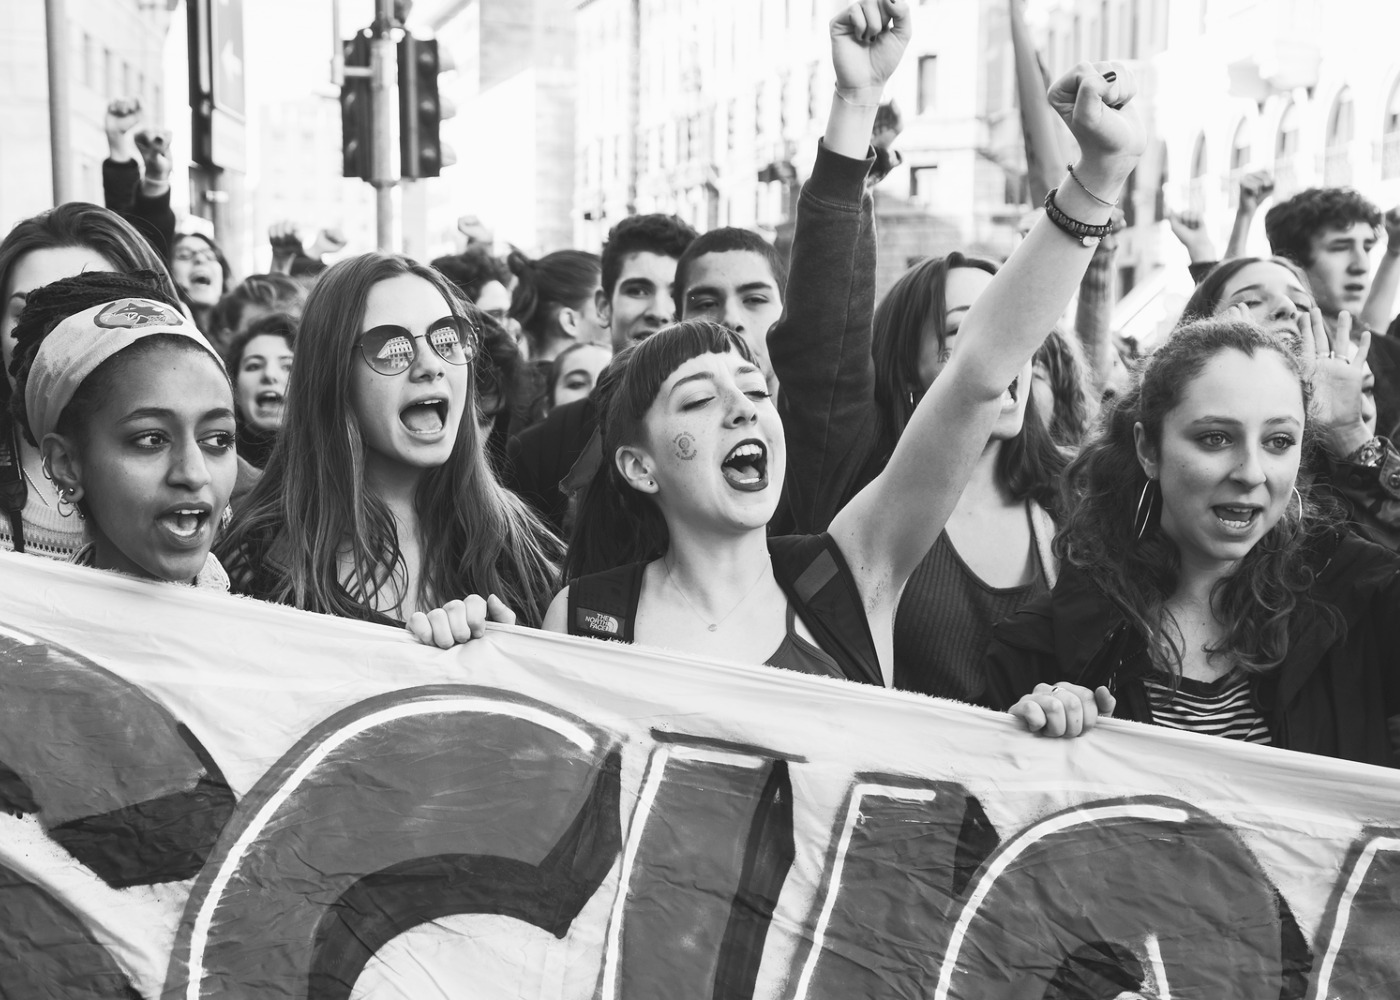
(73, 350)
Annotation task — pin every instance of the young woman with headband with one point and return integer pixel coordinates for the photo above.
(71, 239)
(132, 412)
(377, 502)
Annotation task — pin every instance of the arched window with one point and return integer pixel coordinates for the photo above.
(1390, 136)
(1286, 153)
(1341, 130)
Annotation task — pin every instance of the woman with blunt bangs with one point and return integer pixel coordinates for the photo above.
(695, 453)
(377, 502)
(1205, 586)
(64, 241)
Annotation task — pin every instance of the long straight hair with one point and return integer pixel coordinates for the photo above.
(478, 537)
(1028, 465)
(78, 224)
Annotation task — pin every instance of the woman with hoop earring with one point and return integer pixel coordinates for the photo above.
(1204, 585)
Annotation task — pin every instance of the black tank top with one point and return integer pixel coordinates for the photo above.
(944, 623)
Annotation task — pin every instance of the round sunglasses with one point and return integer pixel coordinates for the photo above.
(391, 349)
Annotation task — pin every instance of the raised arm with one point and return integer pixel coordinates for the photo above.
(820, 349)
(887, 529)
(1254, 188)
(1380, 304)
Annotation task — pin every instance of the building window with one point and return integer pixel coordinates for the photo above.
(1286, 147)
(923, 181)
(1199, 167)
(1341, 130)
(89, 58)
(1390, 136)
(1241, 151)
(928, 83)
(109, 75)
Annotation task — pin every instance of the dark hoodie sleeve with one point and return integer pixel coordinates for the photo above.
(152, 217)
(820, 349)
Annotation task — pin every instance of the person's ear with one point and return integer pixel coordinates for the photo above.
(635, 465)
(569, 319)
(63, 465)
(604, 305)
(1146, 453)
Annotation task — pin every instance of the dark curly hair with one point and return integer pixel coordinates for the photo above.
(1291, 225)
(471, 270)
(663, 235)
(1102, 490)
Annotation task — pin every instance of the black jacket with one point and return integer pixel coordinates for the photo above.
(1334, 694)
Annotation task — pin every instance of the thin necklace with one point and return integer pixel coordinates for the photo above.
(25, 472)
(712, 626)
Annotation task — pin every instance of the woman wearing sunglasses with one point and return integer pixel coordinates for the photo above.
(376, 502)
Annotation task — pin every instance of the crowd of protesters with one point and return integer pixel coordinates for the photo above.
(693, 441)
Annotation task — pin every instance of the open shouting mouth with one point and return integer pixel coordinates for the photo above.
(746, 466)
(425, 417)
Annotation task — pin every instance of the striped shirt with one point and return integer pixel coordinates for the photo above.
(1221, 707)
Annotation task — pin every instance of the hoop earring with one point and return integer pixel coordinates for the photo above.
(65, 499)
(1144, 510)
(1300, 501)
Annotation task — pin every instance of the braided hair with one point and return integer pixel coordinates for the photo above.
(50, 305)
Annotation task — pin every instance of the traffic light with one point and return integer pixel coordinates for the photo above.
(356, 115)
(421, 109)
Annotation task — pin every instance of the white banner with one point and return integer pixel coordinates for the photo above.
(208, 797)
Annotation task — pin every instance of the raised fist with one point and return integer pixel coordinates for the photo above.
(123, 115)
(154, 146)
(1095, 101)
(1392, 230)
(284, 238)
(1186, 227)
(868, 39)
(1255, 186)
(327, 241)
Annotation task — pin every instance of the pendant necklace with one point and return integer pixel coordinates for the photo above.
(712, 626)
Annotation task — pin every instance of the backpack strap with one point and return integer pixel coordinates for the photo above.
(814, 575)
(604, 605)
(13, 491)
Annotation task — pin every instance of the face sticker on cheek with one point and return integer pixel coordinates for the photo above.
(685, 447)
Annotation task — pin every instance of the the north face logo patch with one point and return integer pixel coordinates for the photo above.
(596, 621)
(131, 314)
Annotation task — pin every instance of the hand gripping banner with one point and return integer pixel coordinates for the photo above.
(208, 798)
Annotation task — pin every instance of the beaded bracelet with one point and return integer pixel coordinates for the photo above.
(1086, 234)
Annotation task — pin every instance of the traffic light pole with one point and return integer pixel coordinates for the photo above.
(382, 69)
